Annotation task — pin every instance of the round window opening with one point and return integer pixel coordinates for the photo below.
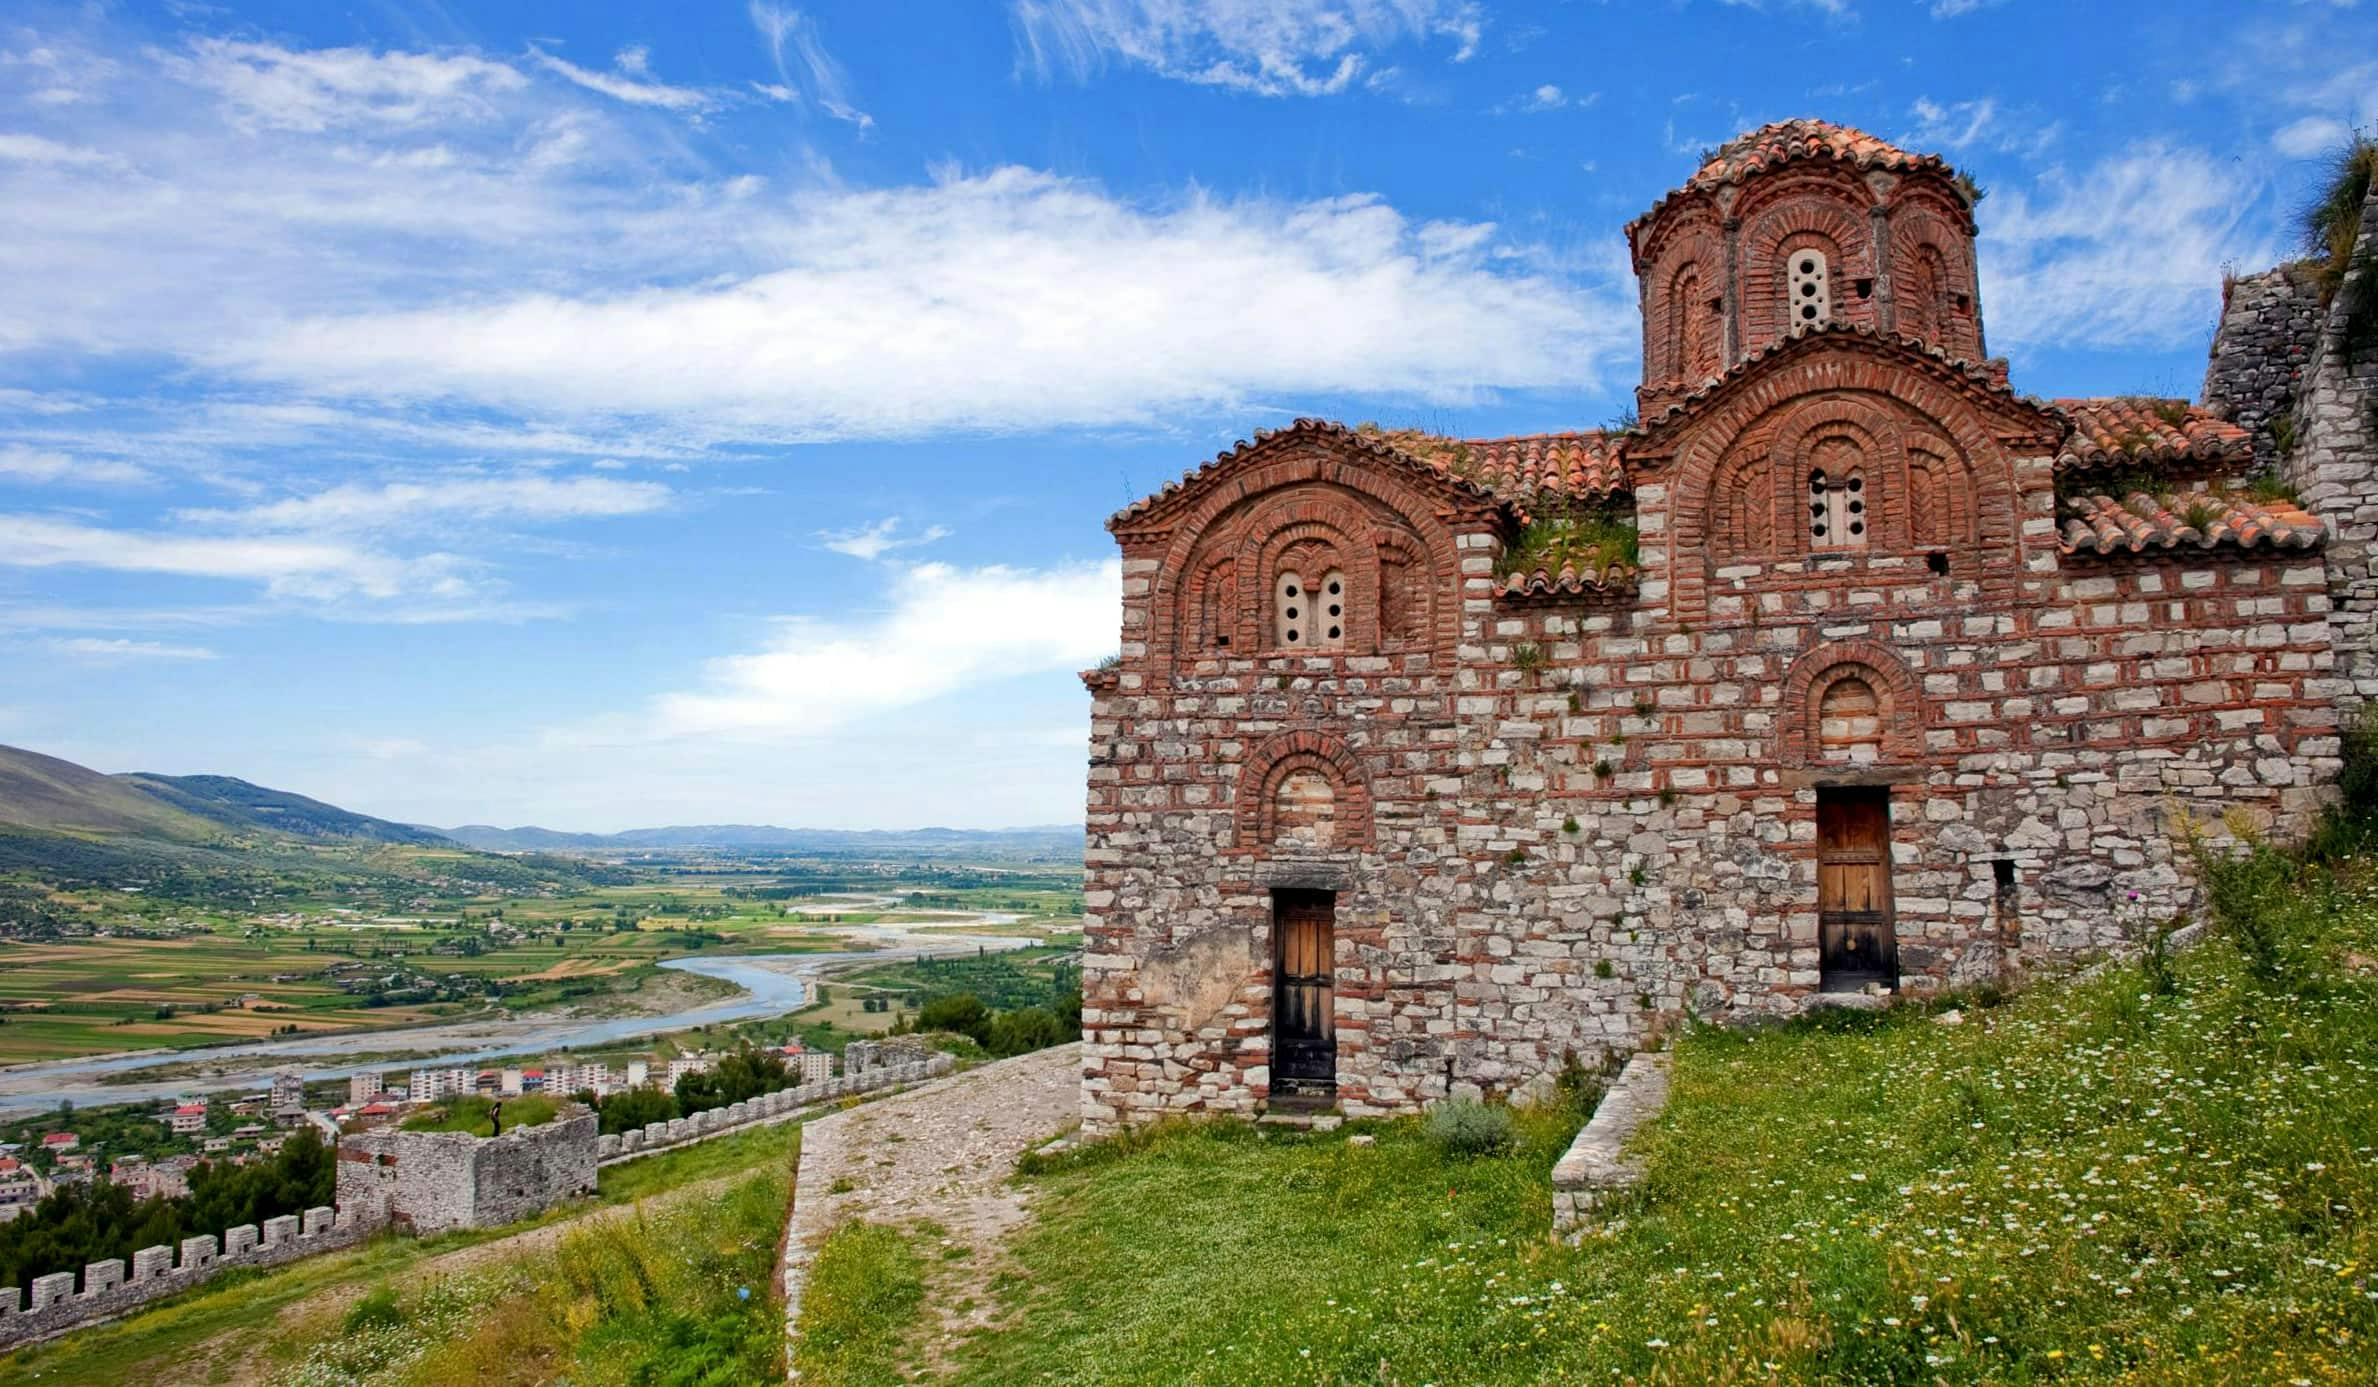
(1292, 589)
(1292, 635)
(1333, 633)
(1292, 613)
(1808, 267)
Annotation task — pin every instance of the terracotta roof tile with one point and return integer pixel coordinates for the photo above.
(2126, 429)
(1374, 442)
(2103, 525)
(1786, 141)
(1566, 464)
(1541, 583)
(1973, 373)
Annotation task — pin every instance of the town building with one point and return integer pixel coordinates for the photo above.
(365, 1085)
(288, 1096)
(811, 1066)
(186, 1119)
(1430, 764)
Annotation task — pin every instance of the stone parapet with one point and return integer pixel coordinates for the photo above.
(1596, 1164)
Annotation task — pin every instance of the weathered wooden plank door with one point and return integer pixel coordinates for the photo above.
(1304, 953)
(1856, 941)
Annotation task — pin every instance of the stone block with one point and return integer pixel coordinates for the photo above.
(278, 1231)
(198, 1252)
(150, 1263)
(319, 1220)
(101, 1277)
(606, 1147)
(49, 1290)
(240, 1241)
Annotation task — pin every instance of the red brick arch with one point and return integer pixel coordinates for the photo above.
(1695, 243)
(1254, 822)
(1828, 213)
(1918, 226)
(1845, 366)
(1305, 484)
(1818, 670)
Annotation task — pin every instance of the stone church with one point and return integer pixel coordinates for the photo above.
(1430, 762)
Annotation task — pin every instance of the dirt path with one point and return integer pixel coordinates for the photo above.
(940, 1154)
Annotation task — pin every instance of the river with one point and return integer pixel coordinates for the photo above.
(772, 984)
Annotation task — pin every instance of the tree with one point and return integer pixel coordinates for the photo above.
(961, 1013)
(632, 1109)
(1032, 1028)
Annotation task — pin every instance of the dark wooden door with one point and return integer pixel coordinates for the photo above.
(1304, 1031)
(1856, 943)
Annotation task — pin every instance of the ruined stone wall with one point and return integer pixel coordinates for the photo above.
(1586, 818)
(773, 1107)
(2334, 465)
(2262, 350)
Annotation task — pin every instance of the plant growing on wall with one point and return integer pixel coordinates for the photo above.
(1595, 539)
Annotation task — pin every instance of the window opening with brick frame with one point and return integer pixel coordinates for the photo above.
(1310, 616)
(1811, 289)
(1837, 509)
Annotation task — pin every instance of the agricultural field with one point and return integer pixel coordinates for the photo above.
(136, 972)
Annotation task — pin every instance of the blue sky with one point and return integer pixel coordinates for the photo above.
(602, 415)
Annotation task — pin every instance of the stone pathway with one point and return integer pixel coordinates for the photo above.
(942, 1152)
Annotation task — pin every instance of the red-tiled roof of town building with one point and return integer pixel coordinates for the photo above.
(2139, 522)
(2126, 430)
(1584, 464)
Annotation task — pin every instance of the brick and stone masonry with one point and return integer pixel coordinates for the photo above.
(1557, 798)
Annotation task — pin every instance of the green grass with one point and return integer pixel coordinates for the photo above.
(2102, 1181)
(858, 1306)
(477, 1115)
(240, 1312)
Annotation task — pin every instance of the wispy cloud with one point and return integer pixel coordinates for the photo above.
(2127, 252)
(287, 566)
(949, 628)
(110, 648)
(19, 463)
(319, 89)
(871, 542)
(820, 78)
(630, 81)
(393, 505)
(1281, 48)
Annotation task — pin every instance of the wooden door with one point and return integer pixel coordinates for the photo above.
(1856, 943)
(1304, 954)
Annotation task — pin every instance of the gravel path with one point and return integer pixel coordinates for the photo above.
(942, 1153)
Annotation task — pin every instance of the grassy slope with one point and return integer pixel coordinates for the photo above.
(43, 794)
(2093, 1182)
(240, 1313)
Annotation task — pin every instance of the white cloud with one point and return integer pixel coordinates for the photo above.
(2311, 137)
(288, 566)
(34, 149)
(19, 463)
(1012, 299)
(1953, 125)
(820, 75)
(106, 648)
(318, 89)
(1269, 47)
(631, 84)
(397, 504)
(871, 542)
(2124, 254)
(948, 628)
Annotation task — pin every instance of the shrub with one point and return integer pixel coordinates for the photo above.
(378, 1309)
(1467, 1127)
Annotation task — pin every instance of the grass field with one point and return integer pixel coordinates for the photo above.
(255, 1321)
(2166, 1174)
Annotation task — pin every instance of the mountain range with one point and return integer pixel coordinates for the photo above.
(43, 797)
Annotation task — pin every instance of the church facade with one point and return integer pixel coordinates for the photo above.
(1429, 763)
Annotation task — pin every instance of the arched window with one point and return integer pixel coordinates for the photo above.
(1837, 508)
(1808, 288)
(1305, 810)
(1309, 616)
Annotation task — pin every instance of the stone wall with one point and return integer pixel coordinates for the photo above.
(430, 1181)
(613, 1148)
(1576, 820)
(2335, 466)
(57, 1303)
(2266, 343)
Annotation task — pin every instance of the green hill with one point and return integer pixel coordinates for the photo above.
(240, 806)
(44, 795)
